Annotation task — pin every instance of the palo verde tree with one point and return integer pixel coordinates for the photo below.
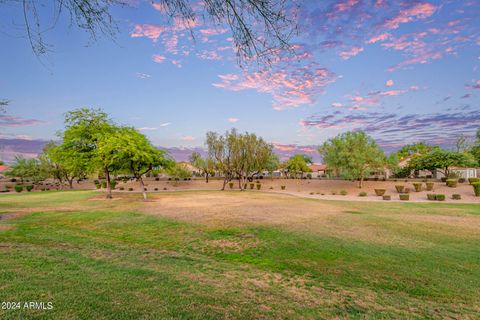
(126, 148)
(356, 155)
(442, 160)
(25, 169)
(83, 129)
(259, 28)
(204, 164)
(298, 164)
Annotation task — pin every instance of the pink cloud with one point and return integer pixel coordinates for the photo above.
(389, 83)
(158, 58)
(350, 53)
(417, 11)
(337, 105)
(187, 138)
(345, 5)
(150, 31)
(475, 85)
(380, 37)
(233, 120)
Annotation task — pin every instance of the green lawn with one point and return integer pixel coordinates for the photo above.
(112, 260)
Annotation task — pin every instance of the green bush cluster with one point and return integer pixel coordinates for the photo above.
(130, 189)
(104, 184)
(283, 187)
(472, 180)
(476, 188)
(252, 185)
(399, 188)
(29, 188)
(343, 192)
(362, 194)
(259, 186)
(437, 197)
(230, 184)
(380, 192)
(417, 186)
(387, 197)
(456, 196)
(18, 188)
(404, 196)
(429, 186)
(452, 183)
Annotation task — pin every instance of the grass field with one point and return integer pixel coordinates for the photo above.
(212, 255)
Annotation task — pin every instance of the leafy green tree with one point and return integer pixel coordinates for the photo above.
(178, 171)
(25, 169)
(127, 149)
(475, 150)
(417, 148)
(205, 165)
(442, 160)
(83, 129)
(298, 164)
(272, 164)
(355, 154)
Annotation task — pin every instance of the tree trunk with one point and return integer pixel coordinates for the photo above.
(241, 182)
(224, 183)
(360, 182)
(206, 177)
(70, 183)
(144, 193)
(109, 189)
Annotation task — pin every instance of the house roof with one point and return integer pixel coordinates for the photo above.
(4, 168)
(317, 167)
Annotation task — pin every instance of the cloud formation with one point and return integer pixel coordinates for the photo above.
(11, 121)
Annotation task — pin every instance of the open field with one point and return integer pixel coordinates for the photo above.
(212, 254)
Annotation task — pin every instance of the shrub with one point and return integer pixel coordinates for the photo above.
(472, 180)
(461, 180)
(362, 194)
(283, 187)
(19, 188)
(104, 184)
(452, 183)
(98, 186)
(113, 183)
(309, 176)
(387, 197)
(156, 189)
(404, 197)
(157, 179)
(165, 188)
(399, 188)
(130, 189)
(334, 193)
(456, 197)
(429, 186)
(406, 190)
(343, 192)
(259, 186)
(245, 186)
(122, 188)
(230, 184)
(380, 192)
(476, 188)
(29, 188)
(252, 185)
(431, 196)
(145, 189)
(443, 179)
(312, 193)
(96, 181)
(417, 186)
(440, 197)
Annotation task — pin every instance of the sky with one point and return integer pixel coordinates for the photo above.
(403, 71)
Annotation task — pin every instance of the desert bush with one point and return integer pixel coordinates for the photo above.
(380, 192)
(456, 196)
(122, 188)
(271, 188)
(283, 187)
(443, 179)
(259, 186)
(309, 176)
(429, 186)
(252, 185)
(333, 193)
(406, 190)
(96, 181)
(29, 188)
(452, 183)
(312, 193)
(155, 189)
(472, 180)
(387, 197)
(476, 188)
(98, 186)
(165, 188)
(157, 179)
(440, 197)
(145, 189)
(245, 186)
(404, 197)
(19, 188)
(461, 180)
(362, 194)
(104, 184)
(343, 192)
(399, 188)
(113, 183)
(230, 184)
(130, 189)
(417, 186)
(431, 196)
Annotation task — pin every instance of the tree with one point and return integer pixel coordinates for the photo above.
(298, 164)
(204, 165)
(475, 150)
(83, 129)
(127, 149)
(355, 154)
(462, 144)
(25, 169)
(259, 27)
(417, 148)
(178, 171)
(442, 160)
(272, 164)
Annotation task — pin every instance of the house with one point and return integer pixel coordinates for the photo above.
(190, 168)
(318, 170)
(3, 168)
(438, 174)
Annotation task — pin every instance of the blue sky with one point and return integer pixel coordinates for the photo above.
(404, 71)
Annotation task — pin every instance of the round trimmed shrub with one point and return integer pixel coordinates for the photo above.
(157, 179)
(104, 184)
(259, 186)
(113, 183)
(245, 186)
(417, 186)
(283, 187)
(145, 189)
(429, 186)
(155, 189)
(98, 186)
(29, 188)
(461, 180)
(476, 188)
(122, 188)
(443, 179)
(252, 185)
(380, 192)
(399, 188)
(431, 196)
(440, 197)
(404, 197)
(130, 189)
(334, 193)
(18, 188)
(456, 196)
(165, 188)
(387, 197)
(452, 183)
(230, 184)
(362, 194)
(343, 192)
(472, 180)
